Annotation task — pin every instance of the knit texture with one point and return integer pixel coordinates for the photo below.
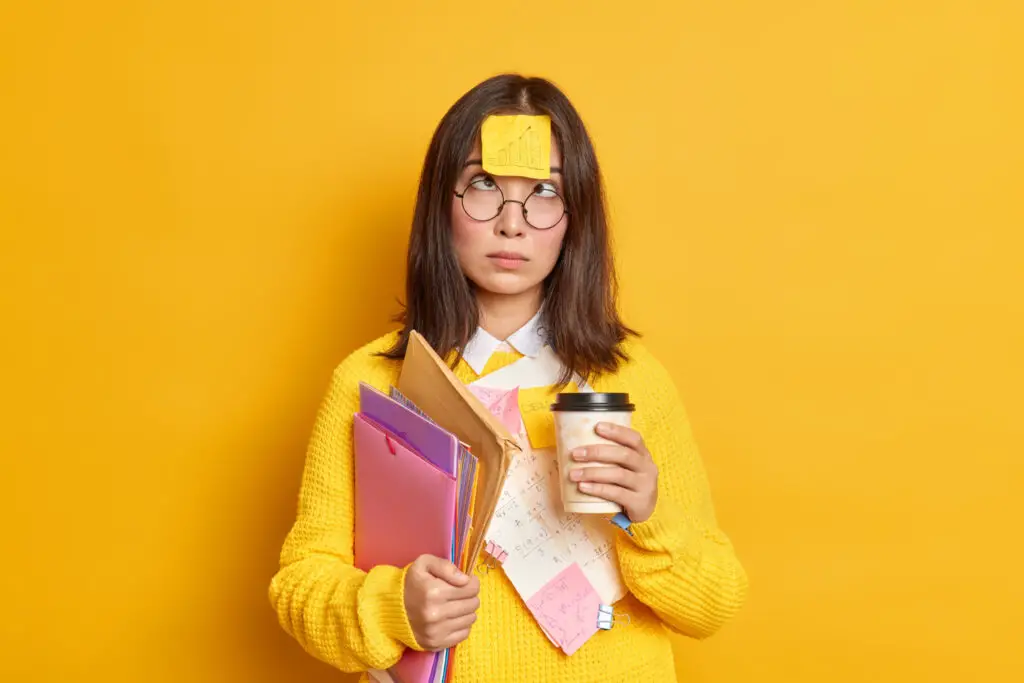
(680, 569)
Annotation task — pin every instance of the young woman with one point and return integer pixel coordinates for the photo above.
(499, 267)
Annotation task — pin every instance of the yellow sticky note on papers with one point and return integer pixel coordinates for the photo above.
(518, 145)
(535, 407)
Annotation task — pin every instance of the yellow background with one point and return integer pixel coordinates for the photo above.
(817, 208)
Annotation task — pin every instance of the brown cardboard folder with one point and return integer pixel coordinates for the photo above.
(429, 383)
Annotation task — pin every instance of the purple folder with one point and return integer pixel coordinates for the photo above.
(435, 444)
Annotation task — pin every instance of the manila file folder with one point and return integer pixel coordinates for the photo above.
(429, 383)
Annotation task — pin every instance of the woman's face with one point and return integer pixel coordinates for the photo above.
(505, 254)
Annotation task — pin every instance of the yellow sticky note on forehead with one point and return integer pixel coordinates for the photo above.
(518, 145)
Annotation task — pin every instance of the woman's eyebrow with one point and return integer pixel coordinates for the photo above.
(478, 162)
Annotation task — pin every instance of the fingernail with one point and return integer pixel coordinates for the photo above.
(603, 427)
(575, 475)
(586, 486)
(579, 454)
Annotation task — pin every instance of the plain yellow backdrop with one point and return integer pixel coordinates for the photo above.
(818, 216)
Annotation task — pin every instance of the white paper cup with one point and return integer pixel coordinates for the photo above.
(576, 416)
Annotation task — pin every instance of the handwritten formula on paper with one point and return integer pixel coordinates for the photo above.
(542, 540)
(567, 609)
(562, 564)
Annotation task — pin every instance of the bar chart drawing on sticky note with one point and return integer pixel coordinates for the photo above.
(522, 151)
(518, 145)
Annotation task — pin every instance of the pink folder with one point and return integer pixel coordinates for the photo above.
(404, 508)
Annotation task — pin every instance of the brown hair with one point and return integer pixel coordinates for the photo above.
(580, 312)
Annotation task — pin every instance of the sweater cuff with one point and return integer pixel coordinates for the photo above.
(665, 530)
(385, 588)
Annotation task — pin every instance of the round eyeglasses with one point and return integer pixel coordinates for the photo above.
(482, 200)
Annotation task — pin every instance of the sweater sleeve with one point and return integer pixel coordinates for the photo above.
(678, 562)
(349, 618)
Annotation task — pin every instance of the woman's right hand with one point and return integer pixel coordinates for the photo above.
(441, 602)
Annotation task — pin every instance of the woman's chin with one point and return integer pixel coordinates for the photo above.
(506, 284)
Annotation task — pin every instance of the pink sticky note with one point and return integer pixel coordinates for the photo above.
(566, 608)
(503, 404)
(550, 637)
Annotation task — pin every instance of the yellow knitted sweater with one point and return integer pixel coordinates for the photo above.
(679, 568)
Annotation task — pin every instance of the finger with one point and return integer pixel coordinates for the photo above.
(450, 633)
(619, 476)
(470, 590)
(440, 592)
(462, 623)
(456, 638)
(611, 455)
(456, 609)
(444, 570)
(609, 492)
(628, 437)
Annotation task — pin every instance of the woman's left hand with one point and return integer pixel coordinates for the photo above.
(632, 481)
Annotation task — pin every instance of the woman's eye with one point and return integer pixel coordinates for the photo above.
(545, 190)
(483, 183)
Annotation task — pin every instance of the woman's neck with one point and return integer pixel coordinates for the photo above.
(502, 314)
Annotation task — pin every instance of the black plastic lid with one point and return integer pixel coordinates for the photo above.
(592, 402)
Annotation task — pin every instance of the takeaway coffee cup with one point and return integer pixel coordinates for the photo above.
(576, 415)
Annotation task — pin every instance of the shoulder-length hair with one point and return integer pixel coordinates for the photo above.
(580, 314)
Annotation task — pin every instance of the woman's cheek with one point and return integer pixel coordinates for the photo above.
(464, 238)
(550, 243)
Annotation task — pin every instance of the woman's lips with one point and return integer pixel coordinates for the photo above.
(508, 260)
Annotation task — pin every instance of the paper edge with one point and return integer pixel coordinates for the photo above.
(503, 439)
(483, 415)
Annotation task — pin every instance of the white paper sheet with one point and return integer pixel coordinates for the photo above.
(541, 539)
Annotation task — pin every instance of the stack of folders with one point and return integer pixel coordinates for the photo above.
(413, 483)
(429, 460)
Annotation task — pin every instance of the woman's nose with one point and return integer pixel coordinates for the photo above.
(512, 220)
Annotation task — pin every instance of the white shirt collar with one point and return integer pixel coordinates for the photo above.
(527, 340)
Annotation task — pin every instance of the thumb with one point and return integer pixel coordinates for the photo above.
(446, 571)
